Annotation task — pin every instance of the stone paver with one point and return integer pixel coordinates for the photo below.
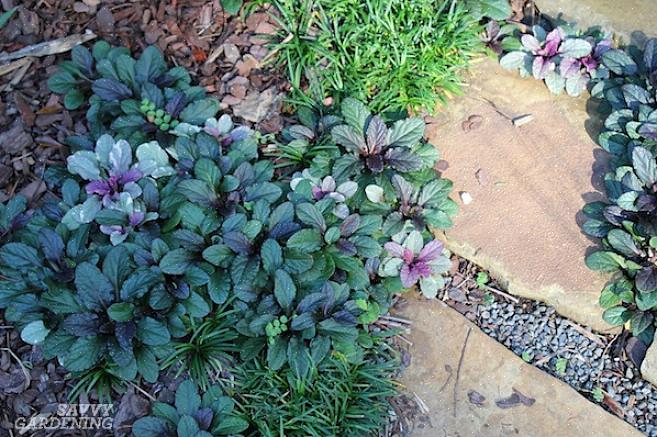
(633, 20)
(438, 336)
(528, 186)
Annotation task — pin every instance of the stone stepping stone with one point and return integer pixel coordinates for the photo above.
(522, 188)
(633, 20)
(488, 375)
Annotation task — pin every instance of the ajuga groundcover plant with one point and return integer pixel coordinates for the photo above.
(627, 222)
(562, 58)
(138, 99)
(154, 239)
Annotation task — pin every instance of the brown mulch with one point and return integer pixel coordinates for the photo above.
(224, 54)
(227, 55)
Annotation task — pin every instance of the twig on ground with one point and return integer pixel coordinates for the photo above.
(8, 68)
(502, 293)
(46, 48)
(586, 333)
(142, 391)
(458, 369)
(423, 407)
(26, 373)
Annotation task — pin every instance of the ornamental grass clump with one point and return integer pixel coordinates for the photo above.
(394, 54)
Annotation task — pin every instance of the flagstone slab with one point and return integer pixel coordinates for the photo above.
(491, 371)
(528, 185)
(633, 20)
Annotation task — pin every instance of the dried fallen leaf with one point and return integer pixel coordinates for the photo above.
(636, 350)
(482, 177)
(476, 398)
(472, 123)
(199, 54)
(613, 405)
(510, 402)
(525, 400)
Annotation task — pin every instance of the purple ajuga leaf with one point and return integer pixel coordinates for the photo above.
(317, 192)
(238, 243)
(372, 266)
(375, 163)
(402, 159)
(541, 66)
(646, 279)
(203, 418)
(570, 67)
(431, 251)
(329, 298)
(649, 131)
(616, 215)
(350, 225)
(346, 247)
(328, 184)
(403, 188)
(179, 290)
(311, 303)
(394, 249)
(377, 135)
(344, 317)
(408, 276)
(530, 43)
(283, 230)
(99, 187)
(132, 175)
(240, 133)
(176, 104)
(646, 203)
(112, 229)
(601, 48)
(125, 332)
(136, 218)
(590, 63)
(552, 43)
(411, 273)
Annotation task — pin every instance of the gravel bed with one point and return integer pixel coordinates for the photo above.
(537, 333)
(598, 366)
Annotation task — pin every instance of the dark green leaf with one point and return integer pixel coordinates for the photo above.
(277, 353)
(298, 356)
(617, 315)
(176, 262)
(121, 312)
(306, 240)
(188, 400)
(94, 289)
(84, 354)
(284, 289)
(199, 111)
(152, 332)
(151, 427)
(231, 7)
(150, 65)
(19, 255)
